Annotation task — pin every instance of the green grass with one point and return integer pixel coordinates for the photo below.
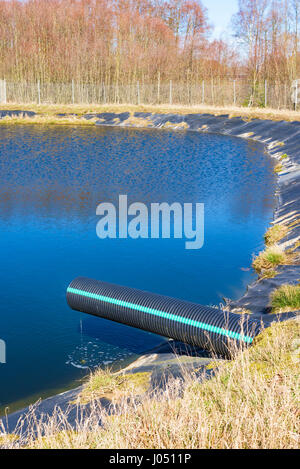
(270, 258)
(286, 298)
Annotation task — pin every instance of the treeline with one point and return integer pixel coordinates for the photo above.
(121, 42)
(268, 31)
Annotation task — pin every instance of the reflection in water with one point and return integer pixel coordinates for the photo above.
(51, 181)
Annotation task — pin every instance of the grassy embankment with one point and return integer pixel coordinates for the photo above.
(47, 113)
(250, 402)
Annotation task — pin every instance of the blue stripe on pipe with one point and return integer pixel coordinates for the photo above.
(163, 314)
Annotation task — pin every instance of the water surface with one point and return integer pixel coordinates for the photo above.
(52, 179)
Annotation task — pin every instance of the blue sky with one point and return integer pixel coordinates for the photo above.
(220, 13)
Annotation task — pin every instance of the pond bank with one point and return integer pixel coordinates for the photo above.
(166, 360)
(78, 110)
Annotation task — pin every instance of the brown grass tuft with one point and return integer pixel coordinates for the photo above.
(278, 168)
(275, 234)
(270, 258)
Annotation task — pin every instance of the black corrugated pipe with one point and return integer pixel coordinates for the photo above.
(208, 328)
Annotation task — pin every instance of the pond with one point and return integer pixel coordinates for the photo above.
(51, 181)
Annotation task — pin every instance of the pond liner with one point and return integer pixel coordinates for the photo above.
(200, 326)
(108, 117)
(16, 113)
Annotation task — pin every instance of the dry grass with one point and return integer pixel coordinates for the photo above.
(46, 120)
(275, 144)
(285, 299)
(137, 121)
(278, 168)
(112, 386)
(172, 125)
(244, 112)
(242, 311)
(270, 258)
(251, 402)
(275, 234)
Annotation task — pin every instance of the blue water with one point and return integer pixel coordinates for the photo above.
(52, 179)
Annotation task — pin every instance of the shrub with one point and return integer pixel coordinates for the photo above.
(270, 258)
